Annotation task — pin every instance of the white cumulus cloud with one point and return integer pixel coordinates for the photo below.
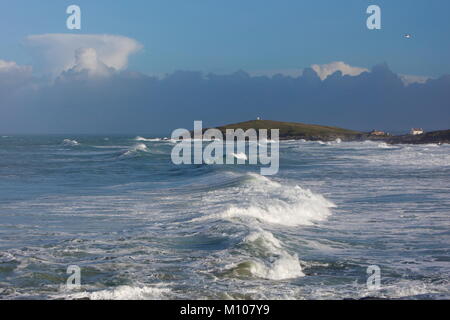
(11, 66)
(13, 74)
(86, 59)
(325, 70)
(410, 79)
(60, 52)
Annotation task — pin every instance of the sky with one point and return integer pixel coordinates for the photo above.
(129, 42)
(225, 36)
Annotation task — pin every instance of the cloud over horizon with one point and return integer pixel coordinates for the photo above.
(56, 53)
(325, 70)
(94, 93)
(12, 73)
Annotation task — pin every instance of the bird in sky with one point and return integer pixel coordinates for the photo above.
(407, 36)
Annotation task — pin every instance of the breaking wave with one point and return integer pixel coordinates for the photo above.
(138, 138)
(68, 142)
(384, 145)
(273, 262)
(266, 203)
(337, 141)
(140, 147)
(240, 156)
(271, 202)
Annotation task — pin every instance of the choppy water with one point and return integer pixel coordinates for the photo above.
(140, 227)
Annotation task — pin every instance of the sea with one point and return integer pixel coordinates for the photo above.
(340, 220)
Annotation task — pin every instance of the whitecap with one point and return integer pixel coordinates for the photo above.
(240, 156)
(284, 205)
(278, 264)
(270, 202)
(384, 145)
(337, 141)
(138, 138)
(140, 147)
(69, 142)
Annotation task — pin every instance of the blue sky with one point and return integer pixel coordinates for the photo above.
(225, 36)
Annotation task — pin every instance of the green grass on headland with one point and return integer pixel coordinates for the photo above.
(295, 130)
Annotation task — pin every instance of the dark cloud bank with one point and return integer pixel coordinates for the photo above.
(126, 102)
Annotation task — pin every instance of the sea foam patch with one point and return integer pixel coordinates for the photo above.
(125, 293)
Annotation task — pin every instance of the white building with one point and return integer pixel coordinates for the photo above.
(416, 131)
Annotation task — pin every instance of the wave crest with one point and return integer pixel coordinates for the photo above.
(140, 147)
(274, 262)
(138, 138)
(68, 142)
(271, 202)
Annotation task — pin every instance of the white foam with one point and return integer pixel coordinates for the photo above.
(140, 147)
(280, 265)
(267, 201)
(6, 257)
(258, 204)
(240, 156)
(271, 202)
(404, 289)
(337, 141)
(418, 156)
(384, 145)
(125, 293)
(138, 138)
(432, 145)
(265, 141)
(68, 142)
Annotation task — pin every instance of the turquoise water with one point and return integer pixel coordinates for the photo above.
(140, 227)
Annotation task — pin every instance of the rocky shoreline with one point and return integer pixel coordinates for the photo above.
(434, 137)
(437, 137)
(309, 132)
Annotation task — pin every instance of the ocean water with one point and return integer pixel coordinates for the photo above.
(140, 227)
